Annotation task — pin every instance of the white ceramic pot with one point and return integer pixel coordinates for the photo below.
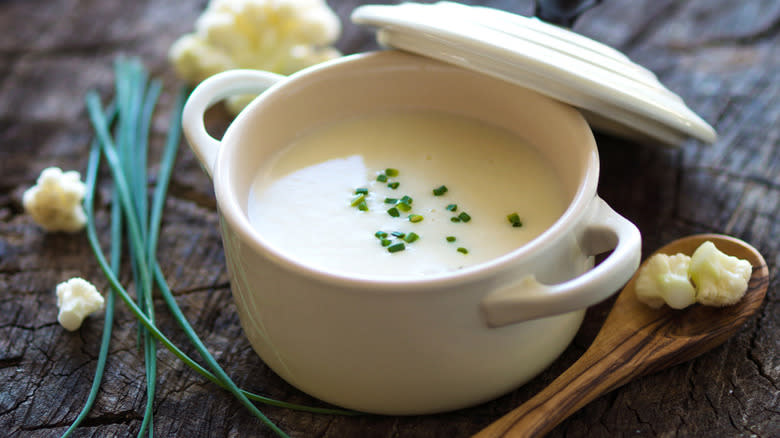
(409, 346)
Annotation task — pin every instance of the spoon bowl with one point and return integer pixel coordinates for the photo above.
(636, 340)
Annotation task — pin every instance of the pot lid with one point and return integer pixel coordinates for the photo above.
(614, 93)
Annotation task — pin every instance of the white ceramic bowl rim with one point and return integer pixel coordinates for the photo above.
(232, 211)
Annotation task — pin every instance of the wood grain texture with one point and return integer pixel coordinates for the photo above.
(721, 56)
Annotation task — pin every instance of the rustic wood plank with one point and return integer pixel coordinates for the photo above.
(721, 56)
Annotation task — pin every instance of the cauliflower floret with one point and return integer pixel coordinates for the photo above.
(664, 279)
(709, 277)
(720, 279)
(281, 36)
(77, 298)
(55, 201)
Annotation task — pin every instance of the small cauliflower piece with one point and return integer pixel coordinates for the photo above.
(55, 201)
(280, 36)
(77, 298)
(709, 277)
(664, 279)
(720, 279)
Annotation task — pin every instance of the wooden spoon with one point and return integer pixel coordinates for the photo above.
(637, 340)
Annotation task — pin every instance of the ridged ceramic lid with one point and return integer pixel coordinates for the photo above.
(614, 93)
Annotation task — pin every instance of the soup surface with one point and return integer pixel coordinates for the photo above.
(334, 199)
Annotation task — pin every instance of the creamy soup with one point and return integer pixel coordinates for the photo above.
(334, 199)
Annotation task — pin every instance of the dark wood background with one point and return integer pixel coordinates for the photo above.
(721, 56)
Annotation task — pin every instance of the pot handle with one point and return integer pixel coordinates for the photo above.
(528, 299)
(207, 93)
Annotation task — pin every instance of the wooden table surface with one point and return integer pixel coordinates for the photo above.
(721, 56)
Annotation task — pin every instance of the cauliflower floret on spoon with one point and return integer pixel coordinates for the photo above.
(720, 279)
(664, 279)
(709, 277)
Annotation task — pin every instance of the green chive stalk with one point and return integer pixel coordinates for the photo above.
(93, 106)
(108, 317)
(136, 106)
(130, 198)
(108, 149)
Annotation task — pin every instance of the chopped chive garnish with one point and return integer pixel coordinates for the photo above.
(380, 234)
(391, 172)
(361, 191)
(393, 212)
(406, 200)
(393, 185)
(358, 200)
(411, 237)
(514, 219)
(415, 218)
(464, 217)
(398, 234)
(450, 238)
(455, 219)
(385, 242)
(463, 250)
(452, 207)
(363, 206)
(390, 200)
(438, 191)
(397, 247)
(403, 207)
(381, 177)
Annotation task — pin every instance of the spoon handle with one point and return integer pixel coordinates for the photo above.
(594, 374)
(563, 12)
